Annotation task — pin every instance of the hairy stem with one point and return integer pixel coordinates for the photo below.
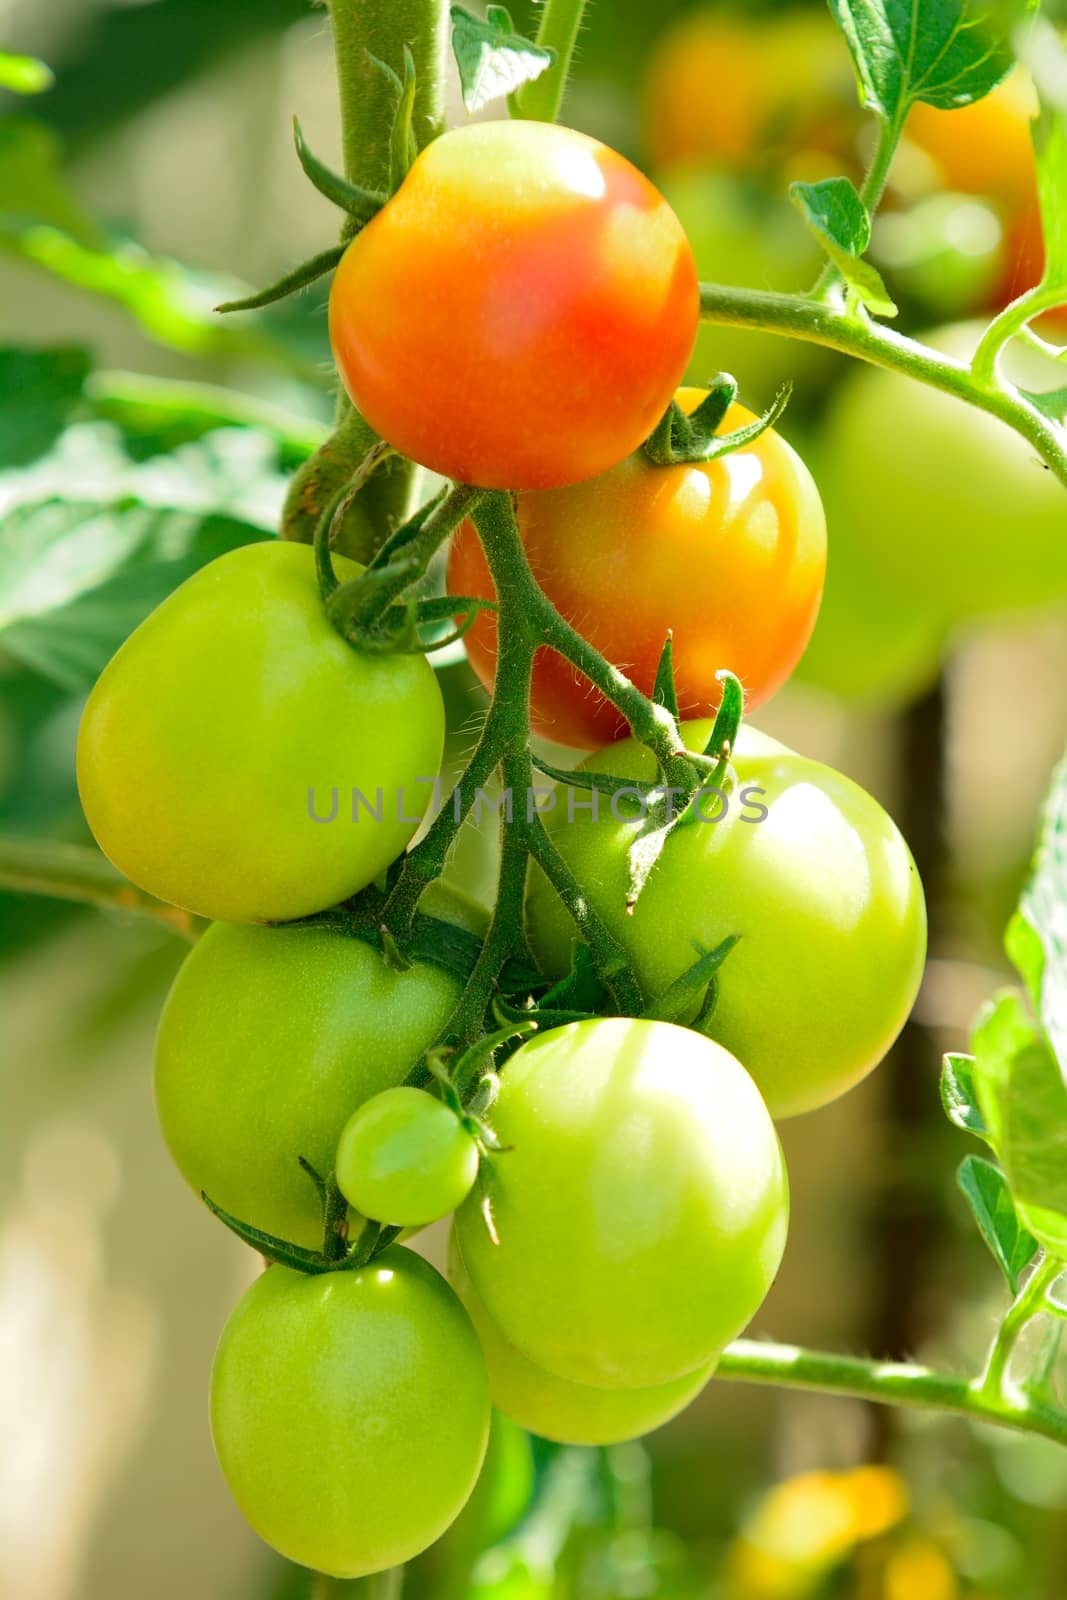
(800, 318)
(560, 23)
(887, 1383)
(80, 873)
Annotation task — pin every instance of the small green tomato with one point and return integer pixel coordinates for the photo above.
(405, 1158)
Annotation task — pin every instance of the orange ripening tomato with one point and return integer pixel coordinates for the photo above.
(983, 148)
(519, 314)
(728, 554)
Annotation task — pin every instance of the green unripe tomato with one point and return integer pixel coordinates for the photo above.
(949, 509)
(222, 746)
(554, 1408)
(405, 1158)
(269, 1039)
(640, 1206)
(350, 1412)
(823, 893)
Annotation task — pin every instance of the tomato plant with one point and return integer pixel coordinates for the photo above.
(728, 556)
(497, 224)
(640, 1215)
(235, 725)
(821, 891)
(696, 931)
(555, 1408)
(405, 1157)
(350, 1412)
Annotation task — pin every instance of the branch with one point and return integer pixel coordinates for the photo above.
(80, 873)
(818, 323)
(887, 1383)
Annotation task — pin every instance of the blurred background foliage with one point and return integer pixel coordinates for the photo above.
(140, 434)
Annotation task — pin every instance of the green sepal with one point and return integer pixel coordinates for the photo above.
(544, 1016)
(664, 691)
(723, 736)
(602, 782)
(467, 1068)
(274, 1249)
(403, 146)
(360, 204)
(307, 273)
(691, 998)
(678, 438)
(581, 989)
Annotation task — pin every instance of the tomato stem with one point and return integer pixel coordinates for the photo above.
(540, 100)
(888, 1383)
(797, 317)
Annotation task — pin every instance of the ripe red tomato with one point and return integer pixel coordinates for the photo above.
(519, 314)
(730, 555)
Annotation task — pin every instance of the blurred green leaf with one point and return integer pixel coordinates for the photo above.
(173, 303)
(839, 220)
(1023, 1099)
(945, 52)
(158, 415)
(24, 74)
(121, 58)
(76, 579)
(958, 1096)
(32, 185)
(493, 59)
(986, 1191)
(1037, 936)
(39, 389)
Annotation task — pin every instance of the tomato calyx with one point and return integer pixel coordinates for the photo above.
(357, 203)
(691, 998)
(679, 439)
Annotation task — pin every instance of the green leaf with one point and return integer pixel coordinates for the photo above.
(945, 52)
(39, 390)
(986, 1191)
(1050, 152)
(664, 692)
(1037, 935)
(958, 1095)
(32, 185)
(76, 579)
(24, 74)
(173, 304)
(493, 59)
(840, 221)
(1023, 1100)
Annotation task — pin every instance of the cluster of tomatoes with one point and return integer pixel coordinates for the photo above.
(620, 1195)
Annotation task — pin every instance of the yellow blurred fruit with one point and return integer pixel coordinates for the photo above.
(723, 88)
(983, 148)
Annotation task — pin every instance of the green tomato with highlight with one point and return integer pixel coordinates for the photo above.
(350, 1412)
(405, 1158)
(555, 1408)
(639, 1205)
(804, 866)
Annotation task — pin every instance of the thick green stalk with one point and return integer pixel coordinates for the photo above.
(382, 28)
(886, 1383)
(798, 317)
(362, 29)
(540, 100)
